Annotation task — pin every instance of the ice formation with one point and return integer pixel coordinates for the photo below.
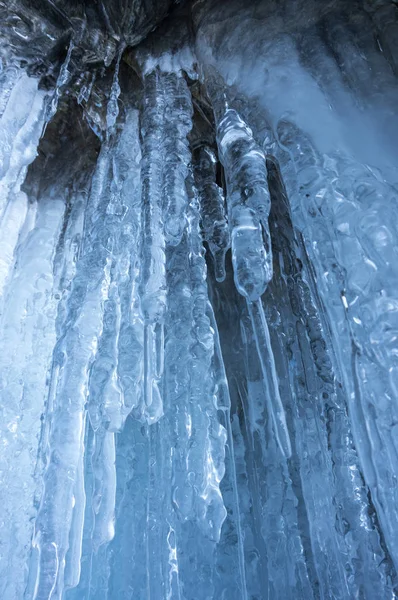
(198, 300)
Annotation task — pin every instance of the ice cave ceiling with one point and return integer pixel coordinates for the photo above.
(198, 299)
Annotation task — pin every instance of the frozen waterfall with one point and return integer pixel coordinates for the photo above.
(199, 300)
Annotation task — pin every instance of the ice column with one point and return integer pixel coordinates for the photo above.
(166, 121)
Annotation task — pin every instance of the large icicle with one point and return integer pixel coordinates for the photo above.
(114, 383)
(248, 205)
(178, 123)
(21, 126)
(153, 278)
(206, 455)
(27, 337)
(166, 122)
(116, 374)
(248, 210)
(131, 333)
(198, 459)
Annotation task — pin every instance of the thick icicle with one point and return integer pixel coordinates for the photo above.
(27, 337)
(178, 123)
(248, 204)
(166, 122)
(206, 455)
(153, 277)
(223, 403)
(199, 459)
(114, 388)
(248, 210)
(21, 126)
(213, 213)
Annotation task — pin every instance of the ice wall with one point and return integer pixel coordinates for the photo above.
(198, 290)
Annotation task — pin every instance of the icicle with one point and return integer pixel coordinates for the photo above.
(248, 205)
(178, 123)
(224, 404)
(114, 381)
(113, 106)
(8, 78)
(153, 278)
(116, 376)
(212, 204)
(344, 211)
(166, 122)
(248, 209)
(104, 495)
(27, 327)
(201, 440)
(264, 349)
(74, 555)
(20, 129)
(62, 80)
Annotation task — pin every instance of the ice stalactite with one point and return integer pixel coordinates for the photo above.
(213, 210)
(62, 80)
(153, 273)
(223, 404)
(320, 420)
(66, 417)
(206, 455)
(248, 205)
(178, 124)
(9, 73)
(27, 338)
(21, 126)
(184, 447)
(196, 435)
(166, 122)
(248, 210)
(29, 237)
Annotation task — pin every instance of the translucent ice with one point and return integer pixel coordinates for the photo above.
(198, 300)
